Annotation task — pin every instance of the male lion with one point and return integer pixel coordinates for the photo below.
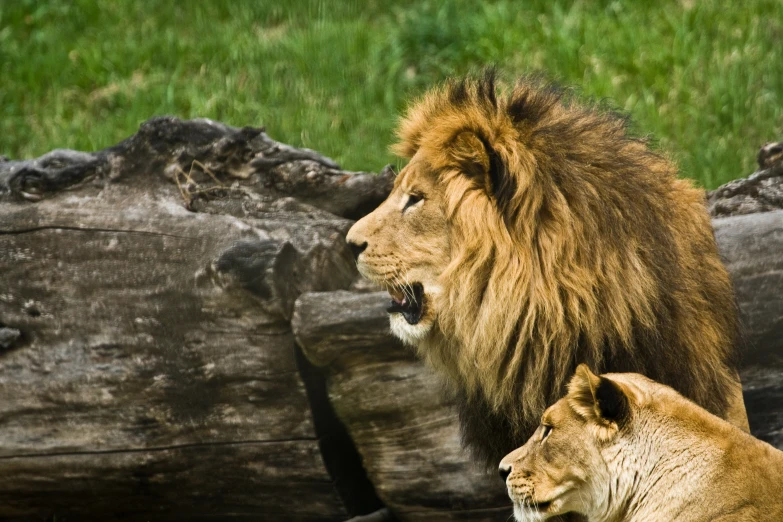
(529, 233)
(623, 448)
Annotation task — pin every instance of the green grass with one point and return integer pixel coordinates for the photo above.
(705, 77)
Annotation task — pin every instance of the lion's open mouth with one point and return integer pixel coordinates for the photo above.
(407, 300)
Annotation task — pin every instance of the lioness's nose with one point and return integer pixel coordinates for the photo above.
(504, 470)
(357, 248)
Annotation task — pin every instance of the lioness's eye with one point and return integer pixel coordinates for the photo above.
(412, 200)
(545, 432)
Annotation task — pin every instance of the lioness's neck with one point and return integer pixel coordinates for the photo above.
(658, 491)
(684, 474)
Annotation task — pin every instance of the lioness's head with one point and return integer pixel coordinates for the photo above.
(562, 468)
(596, 445)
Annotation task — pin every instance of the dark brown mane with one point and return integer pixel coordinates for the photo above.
(579, 245)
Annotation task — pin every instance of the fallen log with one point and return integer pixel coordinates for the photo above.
(751, 247)
(395, 411)
(748, 223)
(147, 364)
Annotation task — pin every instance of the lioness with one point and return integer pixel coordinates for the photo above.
(623, 448)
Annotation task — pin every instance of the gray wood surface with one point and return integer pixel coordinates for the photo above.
(396, 412)
(752, 248)
(147, 355)
(264, 480)
(147, 364)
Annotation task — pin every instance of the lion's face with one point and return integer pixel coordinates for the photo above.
(404, 247)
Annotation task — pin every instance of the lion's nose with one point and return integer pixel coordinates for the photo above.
(357, 248)
(504, 471)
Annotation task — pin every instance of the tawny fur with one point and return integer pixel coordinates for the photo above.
(623, 448)
(568, 241)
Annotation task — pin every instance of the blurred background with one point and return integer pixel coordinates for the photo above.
(703, 77)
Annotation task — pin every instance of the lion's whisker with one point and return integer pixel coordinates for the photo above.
(411, 294)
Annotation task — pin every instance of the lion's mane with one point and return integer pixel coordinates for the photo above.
(580, 246)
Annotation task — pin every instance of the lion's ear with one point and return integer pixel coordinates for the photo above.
(598, 399)
(469, 152)
(480, 162)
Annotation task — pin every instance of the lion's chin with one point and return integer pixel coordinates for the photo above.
(410, 334)
(523, 513)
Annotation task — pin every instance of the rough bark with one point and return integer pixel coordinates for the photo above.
(263, 480)
(749, 228)
(396, 412)
(751, 246)
(147, 365)
(205, 160)
(762, 191)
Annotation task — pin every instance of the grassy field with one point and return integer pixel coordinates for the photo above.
(704, 77)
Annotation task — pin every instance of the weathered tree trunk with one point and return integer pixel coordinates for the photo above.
(395, 411)
(148, 369)
(748, 222)
(156, 300)
(752, 248)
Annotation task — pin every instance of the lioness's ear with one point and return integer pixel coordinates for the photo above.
(598, 399)
(480, 162)
(612, 403)
(581, 392)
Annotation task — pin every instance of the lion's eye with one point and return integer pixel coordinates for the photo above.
(412, 200)
(545, 432)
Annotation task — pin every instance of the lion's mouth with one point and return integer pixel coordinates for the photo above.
(407, 300)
